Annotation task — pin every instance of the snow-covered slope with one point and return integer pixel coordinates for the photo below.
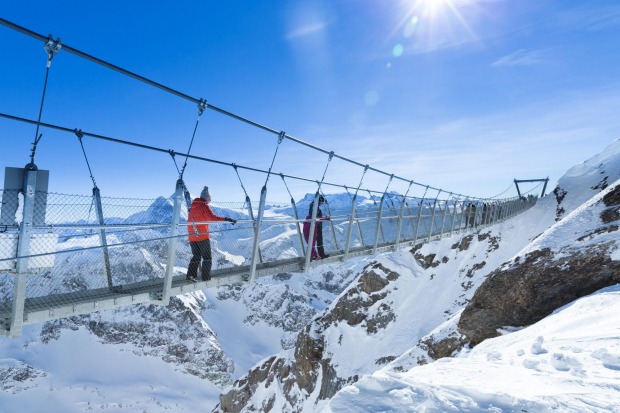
(304, 337)
(568, 362)
(397, 309)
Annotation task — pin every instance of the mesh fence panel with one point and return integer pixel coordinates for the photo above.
(70, 254)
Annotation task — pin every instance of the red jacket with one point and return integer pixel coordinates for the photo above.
(200, 211)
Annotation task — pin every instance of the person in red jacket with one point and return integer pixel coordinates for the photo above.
(200, 214)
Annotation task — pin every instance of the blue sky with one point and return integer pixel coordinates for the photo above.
(464, 95)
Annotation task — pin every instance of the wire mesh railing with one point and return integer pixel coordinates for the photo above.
(75, 254)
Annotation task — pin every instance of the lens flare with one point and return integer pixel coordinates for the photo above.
(398, 50)
(411, 27)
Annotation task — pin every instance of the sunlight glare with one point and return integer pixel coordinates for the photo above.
(433, 24)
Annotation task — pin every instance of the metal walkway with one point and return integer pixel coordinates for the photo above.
(59, 268)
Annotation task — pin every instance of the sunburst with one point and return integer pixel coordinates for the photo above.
(434, 24)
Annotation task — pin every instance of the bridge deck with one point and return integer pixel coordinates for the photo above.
(52, 307)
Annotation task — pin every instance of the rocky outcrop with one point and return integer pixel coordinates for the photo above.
(177, 334)
(309, 371)
(17, 376)
(544, 279)
(533, 289)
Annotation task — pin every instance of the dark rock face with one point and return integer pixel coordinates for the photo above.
(530, 290)
(464, 243)
(442, 348)
(612, 201)
(311, 371)
(559, 196)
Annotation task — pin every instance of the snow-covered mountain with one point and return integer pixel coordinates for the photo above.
(367, 335)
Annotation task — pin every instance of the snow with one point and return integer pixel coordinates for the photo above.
(104, 378)
(569, 361)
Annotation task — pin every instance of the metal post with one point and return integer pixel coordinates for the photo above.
(417, 224)
(23, 250)
(350, 229)
(379, 216)
(301, 238)
(315, 208)
(453, 217)
(430, 230)
(251, 214)
(331, 225)
(410, 215)
(255, 247)
(544, 187)
(172, 242)
(359, 228)
(400, 218)
(103, 241)
(463, 212)
(445, 211)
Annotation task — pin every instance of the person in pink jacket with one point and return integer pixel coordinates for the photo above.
(317, 249)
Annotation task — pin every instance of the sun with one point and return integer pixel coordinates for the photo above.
(433, 24)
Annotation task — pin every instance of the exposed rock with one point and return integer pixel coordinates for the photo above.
(176, 334)
(446, 347)
(234, 400)
(611, 200)
(528, 291)
(310, 370)
(427, 261)
(598, 231)
(602, 184)
(17, 376)
(493, 241)
(464, 243)
(353, 306)
(474, 268)
(559, 196)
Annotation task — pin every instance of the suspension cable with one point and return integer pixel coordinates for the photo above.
(531, 190)
(424, 196)
(51, 47)
(240, 181)
(202, 105)
(408, 189)
(192, 99)
(503, 192)
(280, 138)
(329, 159)
(361, 179)
(388, 185)
(173, 153)
(286, 186)
(80, 135)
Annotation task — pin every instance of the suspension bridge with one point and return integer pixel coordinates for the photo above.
(64, 255)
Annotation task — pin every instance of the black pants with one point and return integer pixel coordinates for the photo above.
(201, 250)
